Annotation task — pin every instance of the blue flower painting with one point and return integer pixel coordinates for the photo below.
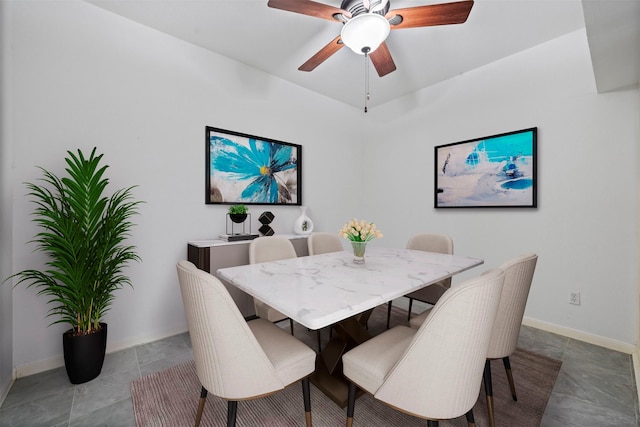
(246, 169)
(495, 171)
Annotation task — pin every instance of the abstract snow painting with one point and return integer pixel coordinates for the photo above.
(494, 171)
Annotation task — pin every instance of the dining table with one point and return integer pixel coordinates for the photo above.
(332, 290)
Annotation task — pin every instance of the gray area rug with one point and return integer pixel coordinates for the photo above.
(170, 397)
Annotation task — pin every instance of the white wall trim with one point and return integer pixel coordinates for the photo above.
(37, 367)
(581, 336)
(128, 343)
(4, 390)
(636, 369)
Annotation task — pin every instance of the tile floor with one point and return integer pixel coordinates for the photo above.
(595, 387)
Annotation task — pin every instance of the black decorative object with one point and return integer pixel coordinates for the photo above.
(265, 219)
(266, 230)
(84, 354)
(237, 237)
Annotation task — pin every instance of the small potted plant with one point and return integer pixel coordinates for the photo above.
(238, 213)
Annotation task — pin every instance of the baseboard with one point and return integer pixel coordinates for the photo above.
(57, 362)
(581, 336)
(636, 370)
(134, 342)
(4, 389)
(37, 367)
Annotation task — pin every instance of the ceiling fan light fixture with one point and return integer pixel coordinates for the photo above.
(365, 32)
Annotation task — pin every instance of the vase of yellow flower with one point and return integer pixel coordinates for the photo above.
(358, 251)
(359, 232)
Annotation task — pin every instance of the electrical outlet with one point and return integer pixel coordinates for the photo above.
(574, 297)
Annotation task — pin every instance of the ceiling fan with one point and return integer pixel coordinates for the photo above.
(367, 24)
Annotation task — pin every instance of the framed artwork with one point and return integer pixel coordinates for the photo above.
(494, 171)
(250, 169)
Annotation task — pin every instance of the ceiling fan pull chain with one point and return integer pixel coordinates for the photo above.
(366, 78)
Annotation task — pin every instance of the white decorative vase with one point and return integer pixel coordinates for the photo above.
(303, 224)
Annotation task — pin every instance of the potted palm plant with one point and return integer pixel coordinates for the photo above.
(83, 233)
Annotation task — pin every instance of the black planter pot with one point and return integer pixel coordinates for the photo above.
(238, 218)
(84, 354)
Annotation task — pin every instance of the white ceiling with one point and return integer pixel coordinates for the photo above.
(278, 42)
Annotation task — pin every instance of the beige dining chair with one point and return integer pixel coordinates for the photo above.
(265, 249)
(517, 283)
(322, 243)
(235, 359)
(433, 372)
(427, 242)
(504, 337)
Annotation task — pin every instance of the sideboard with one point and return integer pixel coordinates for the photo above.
(210, 255)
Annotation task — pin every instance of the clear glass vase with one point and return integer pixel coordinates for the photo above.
(358, 251)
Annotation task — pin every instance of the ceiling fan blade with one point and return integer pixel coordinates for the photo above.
(382, 60)
(431, 15)
(307, 7)
(322, 55)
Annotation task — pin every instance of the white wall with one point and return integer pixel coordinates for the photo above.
(585, 228)
(6, 324)
(85, 77)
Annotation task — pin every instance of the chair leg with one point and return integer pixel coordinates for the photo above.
(389, 313)
(507, 367)
(291, 324)
(432, 423)
(471, 422)
(203, 398)
(409, 311)
(351, 403)
(232, 411)
(488, 389)
(306, 396)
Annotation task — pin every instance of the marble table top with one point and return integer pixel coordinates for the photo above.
(319, 290)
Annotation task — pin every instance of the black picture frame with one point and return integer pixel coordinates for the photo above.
(251, 170)
(497, 171)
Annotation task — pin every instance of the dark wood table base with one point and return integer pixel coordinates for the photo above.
(328, 376)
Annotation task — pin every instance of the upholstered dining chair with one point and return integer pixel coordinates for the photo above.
(428, 242)
(434, 372)
(322, 243)
(517, 283)
(504, 337)
(265, 249)
(235, 359)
